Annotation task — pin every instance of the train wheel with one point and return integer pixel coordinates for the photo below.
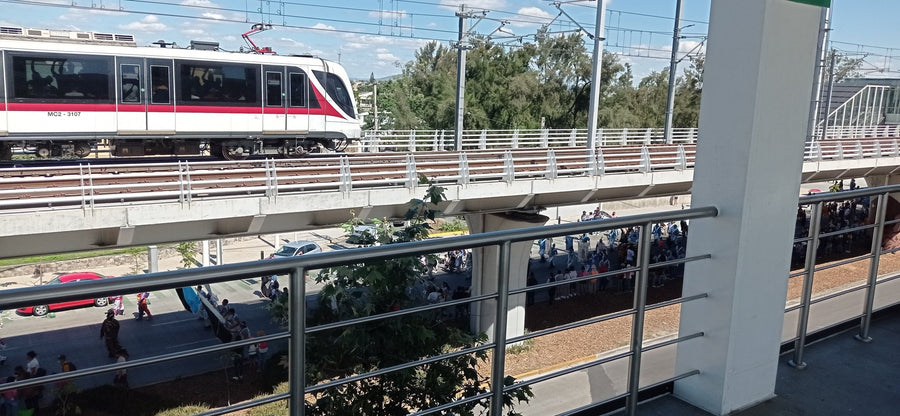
(5, 152)
(43, 151)
(82, 149)
(234, 153)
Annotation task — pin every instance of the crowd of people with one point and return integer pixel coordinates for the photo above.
(837, 218)
(614, 249)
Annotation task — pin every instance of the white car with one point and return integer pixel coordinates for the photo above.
(297, 248)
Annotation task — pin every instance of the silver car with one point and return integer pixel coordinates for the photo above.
(297, 248)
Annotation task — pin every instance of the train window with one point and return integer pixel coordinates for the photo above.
(299, 87)
(131, 83)
(159, 79)
(70, 78)
(273, 89)
(214, 83)
(335, 88)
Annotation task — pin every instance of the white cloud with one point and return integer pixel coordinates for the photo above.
(193, 32)
(292, 43)
(321, 26)
(388, 14)
(200, 3)
(216, 16)
(149, 23)
(389, 57)
(482, 4)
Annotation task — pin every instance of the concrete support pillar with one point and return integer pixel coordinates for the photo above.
(756, 86)
(152, 259)
(484, 270)
(220, 252)
(204, 253)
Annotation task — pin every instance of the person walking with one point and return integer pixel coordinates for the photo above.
(109, 332)
(64, 365)
(121, 377)
(33, 364)
(143, 301)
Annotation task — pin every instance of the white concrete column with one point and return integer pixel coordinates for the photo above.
(757, 82)
(484, 271)
(220, 253)
(204, 255)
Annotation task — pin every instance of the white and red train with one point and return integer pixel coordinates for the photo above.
(64, 92)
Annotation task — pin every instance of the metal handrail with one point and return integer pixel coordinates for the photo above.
(298, 330)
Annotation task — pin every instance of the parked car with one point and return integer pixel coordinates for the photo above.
(41, 310)
(296, 248)
(362, 234)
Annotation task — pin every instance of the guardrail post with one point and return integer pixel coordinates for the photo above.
(346, 179)
(648, 137)
(877, 149)
(624, 137)
(859, 150)
(693, 135)
(440, 146)
(515, 139)
(509, 169)
(682, 158)
(877, 235)
(551, 172)
(412, 177)
(645, 160)
(545, 139)
(601, 165)
(482, 141)
(412, 141)
(812, 246)
(600, 140)
(297, 358)
(840, 151)
(463, 169)
(498, 369)
(572, 136)
(592, 161)
(271, 178)
(637, 324)
(895, 149)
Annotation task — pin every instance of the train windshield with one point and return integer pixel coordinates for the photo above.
(337, 90)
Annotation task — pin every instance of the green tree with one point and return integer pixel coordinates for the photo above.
(188, 252)
(688, 89)
(374, 287)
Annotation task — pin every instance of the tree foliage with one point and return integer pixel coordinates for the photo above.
(545, 83)
(375, 287)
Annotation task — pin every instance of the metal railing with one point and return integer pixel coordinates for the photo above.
(864, 108)
(813, 241)
(298, 330)
(442, 140)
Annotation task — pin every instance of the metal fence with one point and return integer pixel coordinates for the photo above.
(298, 330)
(298, 267)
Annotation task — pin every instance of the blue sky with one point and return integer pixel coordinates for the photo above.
(379, 36)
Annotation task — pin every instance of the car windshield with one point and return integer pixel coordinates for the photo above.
(286, 251)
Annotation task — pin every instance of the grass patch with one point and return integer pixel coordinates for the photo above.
(521, 347)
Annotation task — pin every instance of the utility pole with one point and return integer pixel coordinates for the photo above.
(673, 67)
(830, 91)
(818, 76)
(593, 109)
(462, 46)
(375, 103)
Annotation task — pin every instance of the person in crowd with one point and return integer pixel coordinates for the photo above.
(143, 300)
(109, 332)
(32, 364)
(119, 305)
(64, 365)
(121, 377)
(262, 351)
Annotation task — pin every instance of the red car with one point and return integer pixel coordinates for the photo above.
(40, 310)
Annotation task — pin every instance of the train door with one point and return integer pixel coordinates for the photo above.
(161, 97)
(131, 116)
(298, 102)
(274, 102)
(4, 128)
